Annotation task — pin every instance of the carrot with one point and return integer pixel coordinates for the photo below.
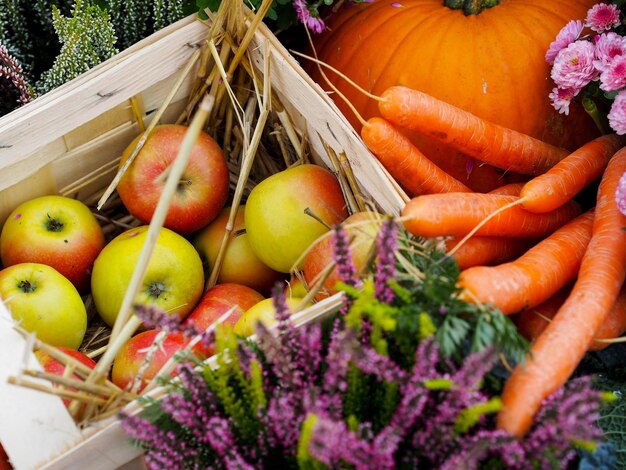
(559, 349)
(484, 251)
(532, 322)
(457, 214)
(511, 189)
(534, 277)
(490, 143)
(416, 173)
(568, 177)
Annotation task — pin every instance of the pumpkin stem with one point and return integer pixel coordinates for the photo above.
(470, 7)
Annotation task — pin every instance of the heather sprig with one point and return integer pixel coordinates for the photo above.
(318, 397)
(14, 89)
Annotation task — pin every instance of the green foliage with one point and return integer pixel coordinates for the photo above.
(613, 415)
(427, 283)
(87, 39)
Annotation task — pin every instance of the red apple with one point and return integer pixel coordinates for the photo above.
(4, 460)
(220, 299)
(361, 229)
(278, 227)
(57, 231)
(240, 265)
(202, 190)
(132, 355)
(52, 366)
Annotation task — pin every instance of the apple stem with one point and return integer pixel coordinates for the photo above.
(310, 213)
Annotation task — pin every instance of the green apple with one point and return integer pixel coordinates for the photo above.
(262, 312)
(240, 265)
(54, 230)
(44, 302)
(278, 227)
(174, 279)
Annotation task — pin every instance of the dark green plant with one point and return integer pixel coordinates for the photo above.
(87, 39)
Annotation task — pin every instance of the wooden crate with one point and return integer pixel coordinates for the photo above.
(64, 137)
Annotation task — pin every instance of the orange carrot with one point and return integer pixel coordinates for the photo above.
(535, 276)
(568, 177)
(490, 143)
(511, 189)
(457, 214)
(532, 322)
(559, 349)
(485, 251)
(416, 173)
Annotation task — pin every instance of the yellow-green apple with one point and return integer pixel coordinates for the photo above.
(202, 190)
(132, 355)
(218, 300)
(44, 302)
(361, 229)
(54, 230)
(278, 227)
(174, 279)
(240, 265)
(262, 312)
(52, 366)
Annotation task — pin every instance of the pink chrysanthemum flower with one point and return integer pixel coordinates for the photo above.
(313, 23)
(561, 99)
(566, 36)
(617, 116)
(602, 17)
(620, 194)
(573, 67)
(614, 76)
(608, 47)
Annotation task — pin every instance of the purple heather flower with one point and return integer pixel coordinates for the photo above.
(378, 365)
(602, 17)
(12, 79)
(573, 67)
(561, 99)
(566, 36)
(617, 114)
(314, 23)
(386, 244)
(613, 77)
(343, 257)
(608, 47)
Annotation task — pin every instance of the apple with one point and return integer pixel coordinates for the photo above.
(240, 265)
(218, 300)
(5, 464)
(52, 366)
(44, 302)
(278, 227)
(361, 229)
(133, 354)
(202, 190)
(54, 230)
(262, 312)
(174, 279)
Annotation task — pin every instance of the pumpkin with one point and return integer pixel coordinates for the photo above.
(490, 63)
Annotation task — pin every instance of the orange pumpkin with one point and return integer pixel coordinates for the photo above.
(491, 63)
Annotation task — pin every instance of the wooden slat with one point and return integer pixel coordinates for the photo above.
(35, 424)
